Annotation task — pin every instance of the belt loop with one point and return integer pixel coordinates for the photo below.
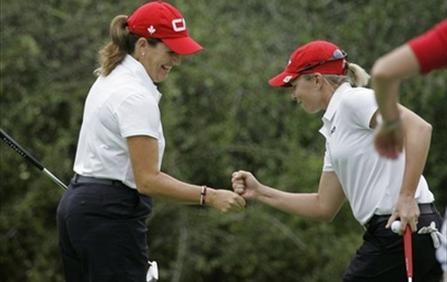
(427, 208)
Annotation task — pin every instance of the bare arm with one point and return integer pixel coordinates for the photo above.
(417, 137)
(151, 181)
(386, 75)
(323, 205)
(417, 144)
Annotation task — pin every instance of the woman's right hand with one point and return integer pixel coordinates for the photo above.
(245, 184)
(225, 200)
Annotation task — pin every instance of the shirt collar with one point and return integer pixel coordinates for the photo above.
(332, 108)
(335, 101)
(140, 73)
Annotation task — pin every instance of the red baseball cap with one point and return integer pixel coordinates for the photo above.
(316, 56)
(161, 20)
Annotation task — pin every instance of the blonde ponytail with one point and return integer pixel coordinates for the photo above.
(358, 76)
(355, 75)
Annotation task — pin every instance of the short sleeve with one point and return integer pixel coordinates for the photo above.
(430, 48)
(139, 114)
(360, 107)
(327, 163)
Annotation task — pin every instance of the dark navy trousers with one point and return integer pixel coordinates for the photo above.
(102, 233)
(381, 257)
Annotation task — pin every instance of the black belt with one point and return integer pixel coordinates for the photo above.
(427, 208)
(423, 209)
(94, 180)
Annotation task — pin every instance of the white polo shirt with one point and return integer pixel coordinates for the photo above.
(120, 105)
(371, 183)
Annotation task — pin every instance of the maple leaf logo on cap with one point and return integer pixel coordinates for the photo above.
(287, 78)
(151, 29)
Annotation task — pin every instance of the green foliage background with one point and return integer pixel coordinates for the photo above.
(219, 115)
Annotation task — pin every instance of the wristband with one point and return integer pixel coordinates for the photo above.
(203, 196)
(391, 124)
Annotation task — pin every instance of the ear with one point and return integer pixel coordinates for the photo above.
(319, 80)
(141, 43)
(139, 46)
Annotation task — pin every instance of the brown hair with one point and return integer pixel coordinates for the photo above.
(122, 43)
(115, 50)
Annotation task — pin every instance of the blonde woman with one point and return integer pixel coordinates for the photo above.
(378, 190)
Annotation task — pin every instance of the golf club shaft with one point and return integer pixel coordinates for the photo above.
(30, 158)
(55, 179)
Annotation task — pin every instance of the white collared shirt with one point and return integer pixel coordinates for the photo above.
(371, 183)
(120, 105)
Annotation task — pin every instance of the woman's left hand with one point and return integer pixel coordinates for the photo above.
(407, 211)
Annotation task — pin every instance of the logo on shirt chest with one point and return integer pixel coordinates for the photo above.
(332, 130)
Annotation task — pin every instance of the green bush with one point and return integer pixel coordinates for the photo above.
(219, 115)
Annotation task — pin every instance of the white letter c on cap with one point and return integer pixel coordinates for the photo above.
(178, 25)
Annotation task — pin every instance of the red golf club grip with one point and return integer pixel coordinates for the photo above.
(408, 250)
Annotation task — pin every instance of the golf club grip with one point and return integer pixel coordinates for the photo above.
(408, 251)
(19, 149)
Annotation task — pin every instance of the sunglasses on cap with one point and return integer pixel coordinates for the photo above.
(336, 55)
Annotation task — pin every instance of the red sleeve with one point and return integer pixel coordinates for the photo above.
(430, 48)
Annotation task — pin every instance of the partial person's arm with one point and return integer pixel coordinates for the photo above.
(151, 181)
(417, 137)
(387, 74)
(419, 55)
(323, 205)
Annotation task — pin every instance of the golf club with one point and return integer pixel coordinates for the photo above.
(27, 156)
(408, 250)
(152, 273)
(408, 247)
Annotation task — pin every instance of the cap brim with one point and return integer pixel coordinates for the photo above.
(283, 79)
(182, 45)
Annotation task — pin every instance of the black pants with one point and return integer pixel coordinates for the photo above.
(381, 257)
(102, 233)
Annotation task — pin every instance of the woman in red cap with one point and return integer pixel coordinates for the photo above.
(378, 190)
(102, 217)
